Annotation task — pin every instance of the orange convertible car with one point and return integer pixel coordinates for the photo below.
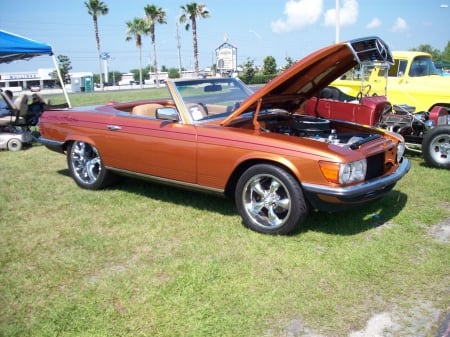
(216, 135)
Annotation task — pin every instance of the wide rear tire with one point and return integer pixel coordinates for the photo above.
(436, 147)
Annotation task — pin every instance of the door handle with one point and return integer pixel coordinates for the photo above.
(114, 128)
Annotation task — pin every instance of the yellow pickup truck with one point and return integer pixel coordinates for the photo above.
(412, 80)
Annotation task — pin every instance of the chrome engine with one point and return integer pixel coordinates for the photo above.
(405, 122)
(320, 129)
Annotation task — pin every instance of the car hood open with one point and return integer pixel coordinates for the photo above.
(311, 74)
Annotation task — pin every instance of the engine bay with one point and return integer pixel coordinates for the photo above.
(319, 129)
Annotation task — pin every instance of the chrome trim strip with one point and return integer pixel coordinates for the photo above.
(51, 144)
(171, 182)
(363, 188)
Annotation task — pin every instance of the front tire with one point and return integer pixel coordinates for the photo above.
(86, 166)
(436, 147)
(270, 200)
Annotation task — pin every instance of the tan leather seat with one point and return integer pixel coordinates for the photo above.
(148, 110)
(197, 111)
(7, 120)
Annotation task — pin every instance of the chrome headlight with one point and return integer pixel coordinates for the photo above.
(400, 150)
(351, 172)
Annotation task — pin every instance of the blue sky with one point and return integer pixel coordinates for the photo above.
(280, 28)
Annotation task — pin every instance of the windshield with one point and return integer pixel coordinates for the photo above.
(423, 66)
(211, 96)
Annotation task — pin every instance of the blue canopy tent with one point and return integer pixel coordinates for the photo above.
(14, 47)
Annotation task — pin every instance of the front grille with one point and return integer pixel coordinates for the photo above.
(375, 166)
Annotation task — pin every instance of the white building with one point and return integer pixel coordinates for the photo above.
(18, 81)
(34, 81)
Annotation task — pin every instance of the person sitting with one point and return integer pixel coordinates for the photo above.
(35, 109)
(5, 109)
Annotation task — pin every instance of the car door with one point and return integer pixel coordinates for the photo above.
(152, 147)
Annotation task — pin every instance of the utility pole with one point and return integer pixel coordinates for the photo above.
(179, 52)
(338, 23)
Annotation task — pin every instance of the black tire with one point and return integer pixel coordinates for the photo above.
(14, 145)
(436, 147)
(86, 166)
(270, 200)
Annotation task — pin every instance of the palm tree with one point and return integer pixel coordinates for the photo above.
(192, 11)
(95, 9)
(154, 15)
(136, 29)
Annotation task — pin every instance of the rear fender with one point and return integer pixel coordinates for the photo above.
(72, 138)
(439, 116)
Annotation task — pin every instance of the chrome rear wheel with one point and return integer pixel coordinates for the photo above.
(436, 147)
(86, 167)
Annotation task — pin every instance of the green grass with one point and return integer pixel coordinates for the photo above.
(142, 259)
(100, 97)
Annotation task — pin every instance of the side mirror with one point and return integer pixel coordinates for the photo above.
(167, 113)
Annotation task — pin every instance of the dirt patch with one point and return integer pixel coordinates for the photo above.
(441, 231)
(419, 321)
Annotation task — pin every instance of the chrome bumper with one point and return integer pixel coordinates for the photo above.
(366, 188)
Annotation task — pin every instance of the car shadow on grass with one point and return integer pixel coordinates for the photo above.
(172, 194)
(349, 222)
(179, 196)
(378, 213)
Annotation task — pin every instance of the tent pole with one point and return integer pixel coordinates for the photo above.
(61, 80)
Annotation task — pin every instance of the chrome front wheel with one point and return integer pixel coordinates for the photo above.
(270, 200)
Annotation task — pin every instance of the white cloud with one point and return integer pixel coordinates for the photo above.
(400, 25)
(375, 23)
(348, 14)
(299, 14)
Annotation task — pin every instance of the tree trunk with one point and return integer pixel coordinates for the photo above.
(194, 34)
(155, 64)
(97, 39)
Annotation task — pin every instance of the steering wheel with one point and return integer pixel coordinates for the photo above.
(204, 107)
(359, 96)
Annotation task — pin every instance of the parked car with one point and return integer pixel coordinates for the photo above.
(216, 135)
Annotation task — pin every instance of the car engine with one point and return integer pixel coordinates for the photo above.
(319, 129)
(405, 122)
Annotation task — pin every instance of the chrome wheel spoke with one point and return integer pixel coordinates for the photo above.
(255, 207)
(86, 162)
(257, 188)
(440, 148)
(274, 185)
(273, 217)
(283, 203)
(92, 169)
